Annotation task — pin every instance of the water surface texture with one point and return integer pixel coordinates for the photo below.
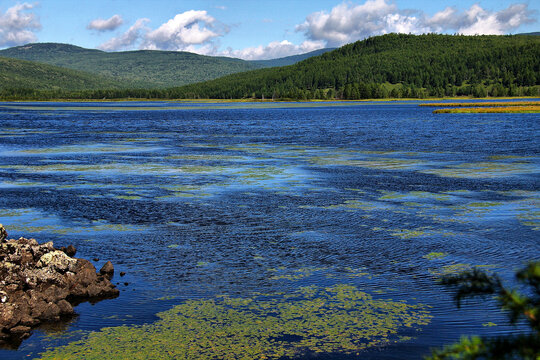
(322, 227)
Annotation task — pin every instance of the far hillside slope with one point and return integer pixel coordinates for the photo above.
(22, 74)
(394, 65)
(143, 68)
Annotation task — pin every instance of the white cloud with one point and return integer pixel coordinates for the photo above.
(193, 31)
(190, 28)
(477, 20)
(128, 39)
(197, 31)
(274, 50)
(480, 21)
(348, 22)
(17, 25)
(106, 24)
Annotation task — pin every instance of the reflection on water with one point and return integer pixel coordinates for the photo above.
(200, 201)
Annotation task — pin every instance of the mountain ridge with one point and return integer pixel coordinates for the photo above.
(143, 68)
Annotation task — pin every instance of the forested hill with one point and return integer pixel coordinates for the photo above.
(28, 77)
(394, 65)
(139, 69)
(150, 69)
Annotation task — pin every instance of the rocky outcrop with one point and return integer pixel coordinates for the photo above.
(3, 233)
(39, 283)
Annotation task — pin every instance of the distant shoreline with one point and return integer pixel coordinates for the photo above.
(224, 101)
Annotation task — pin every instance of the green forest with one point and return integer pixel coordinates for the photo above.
(29, 77)
(133, 69)
(387, 66)
(150, 69)
(394, 65)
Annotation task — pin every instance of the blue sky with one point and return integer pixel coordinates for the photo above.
(249, 29)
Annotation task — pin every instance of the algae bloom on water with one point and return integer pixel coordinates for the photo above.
(311, 320)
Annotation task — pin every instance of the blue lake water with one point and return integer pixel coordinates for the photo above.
(195, 201)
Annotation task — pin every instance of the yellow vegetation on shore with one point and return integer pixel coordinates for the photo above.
(496, 109)
(485, 104)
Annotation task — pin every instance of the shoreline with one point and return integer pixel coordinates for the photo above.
(225, 101)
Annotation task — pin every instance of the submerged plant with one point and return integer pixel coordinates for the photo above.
(313, 319)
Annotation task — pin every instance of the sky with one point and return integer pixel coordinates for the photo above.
(250, 29)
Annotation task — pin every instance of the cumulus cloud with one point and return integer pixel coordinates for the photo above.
(190, 28)
(275, 49)
(17, 25)
(106, 24)
(477, 20)
(128, 39)
(348, 22)
(193, 30)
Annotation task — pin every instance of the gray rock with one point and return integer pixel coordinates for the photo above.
(58, 260)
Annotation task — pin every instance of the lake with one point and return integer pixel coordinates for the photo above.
(295, 230)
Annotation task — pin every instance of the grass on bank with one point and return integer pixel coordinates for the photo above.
(485, 104)
(499, 109)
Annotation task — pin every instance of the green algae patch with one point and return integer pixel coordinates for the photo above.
(356, 204)
(484, 170)
(456, 268)
(293, 274)
(489, 324)
(336, 319)
(84, 149)
(435, 255)
(127, 197)
(450, 269)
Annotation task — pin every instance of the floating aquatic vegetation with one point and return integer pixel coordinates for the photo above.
(379, 163)
(409, 233)
(530, 218)
(282, 273)
(311, 320)
(15, 184)
(351, 273)
(206, 157)
(26, 222)
(357, 204)
(419, 232)
(450, 269)
(127, 197)
(435, 255)
(480, 170)
(391, 195)
(83, 149)
(455, 268)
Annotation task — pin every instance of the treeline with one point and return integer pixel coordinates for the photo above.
(349, 92)
(387, 66)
